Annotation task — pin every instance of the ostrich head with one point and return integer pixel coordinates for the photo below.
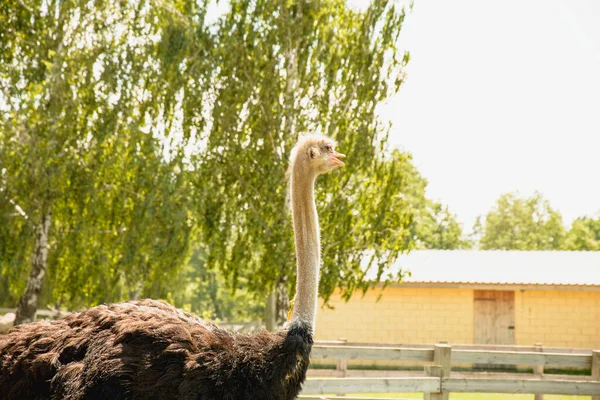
(317, 154)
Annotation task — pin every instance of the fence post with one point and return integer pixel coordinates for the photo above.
(539, 369)
(440, 368)
(596, 369)
(442, 355)
(436, 371)
(342, 364)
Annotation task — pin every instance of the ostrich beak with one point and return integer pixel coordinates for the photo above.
(333, 157)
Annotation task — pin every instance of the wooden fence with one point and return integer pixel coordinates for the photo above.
(438, 380)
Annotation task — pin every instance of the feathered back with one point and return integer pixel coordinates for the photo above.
(149, 349)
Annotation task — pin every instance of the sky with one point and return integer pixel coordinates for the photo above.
(502, 97)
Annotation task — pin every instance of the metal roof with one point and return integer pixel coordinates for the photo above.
(501, 267)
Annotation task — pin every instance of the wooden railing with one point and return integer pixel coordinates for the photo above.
(438, 380)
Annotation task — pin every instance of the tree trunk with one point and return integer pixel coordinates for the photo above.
(283, 304)
(271, 311)
(29, 300)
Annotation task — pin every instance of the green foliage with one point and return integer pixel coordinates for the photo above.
(205, 293)
(143, 129)
(521, 224)
(281, 70)
(440, 230)
(75, 142)
(432, 225)
(583, 235)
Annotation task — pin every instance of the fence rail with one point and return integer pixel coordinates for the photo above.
(466, 356)
(438, 380)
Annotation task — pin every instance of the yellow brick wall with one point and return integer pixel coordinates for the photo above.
(402, 316)
(431, 315)
(558, 318)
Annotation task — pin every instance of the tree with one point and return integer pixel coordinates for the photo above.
(518, 223)
(204, 292)
(283, 69)
(96, 193)
(440, 230)
(583, 235)
(432, 225)
(131, 129)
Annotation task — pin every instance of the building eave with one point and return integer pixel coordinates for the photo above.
(496, 286)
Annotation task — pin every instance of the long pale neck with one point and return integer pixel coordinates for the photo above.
(308, 247)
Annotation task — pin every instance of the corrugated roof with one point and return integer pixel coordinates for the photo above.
(498, 267)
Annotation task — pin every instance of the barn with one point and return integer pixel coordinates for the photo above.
(477, 297)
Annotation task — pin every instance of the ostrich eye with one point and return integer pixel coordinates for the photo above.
(328, 148)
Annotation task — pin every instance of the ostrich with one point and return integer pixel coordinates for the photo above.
(149, 349)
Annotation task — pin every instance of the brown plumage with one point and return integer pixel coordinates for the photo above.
(150, 350)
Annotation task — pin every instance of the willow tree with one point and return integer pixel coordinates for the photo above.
(281, 69)
(111, 109)
(88, 186)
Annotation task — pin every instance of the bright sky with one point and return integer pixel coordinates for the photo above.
(502, 96)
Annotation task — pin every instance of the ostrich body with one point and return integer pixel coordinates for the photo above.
(149, 349)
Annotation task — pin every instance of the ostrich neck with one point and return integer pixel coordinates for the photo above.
(308, 250)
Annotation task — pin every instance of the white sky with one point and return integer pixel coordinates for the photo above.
(502, 96)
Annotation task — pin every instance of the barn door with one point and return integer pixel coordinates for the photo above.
(494, 320)
(494, 317)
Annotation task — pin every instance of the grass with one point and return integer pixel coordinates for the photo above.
(472, 396)
(491, 396)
